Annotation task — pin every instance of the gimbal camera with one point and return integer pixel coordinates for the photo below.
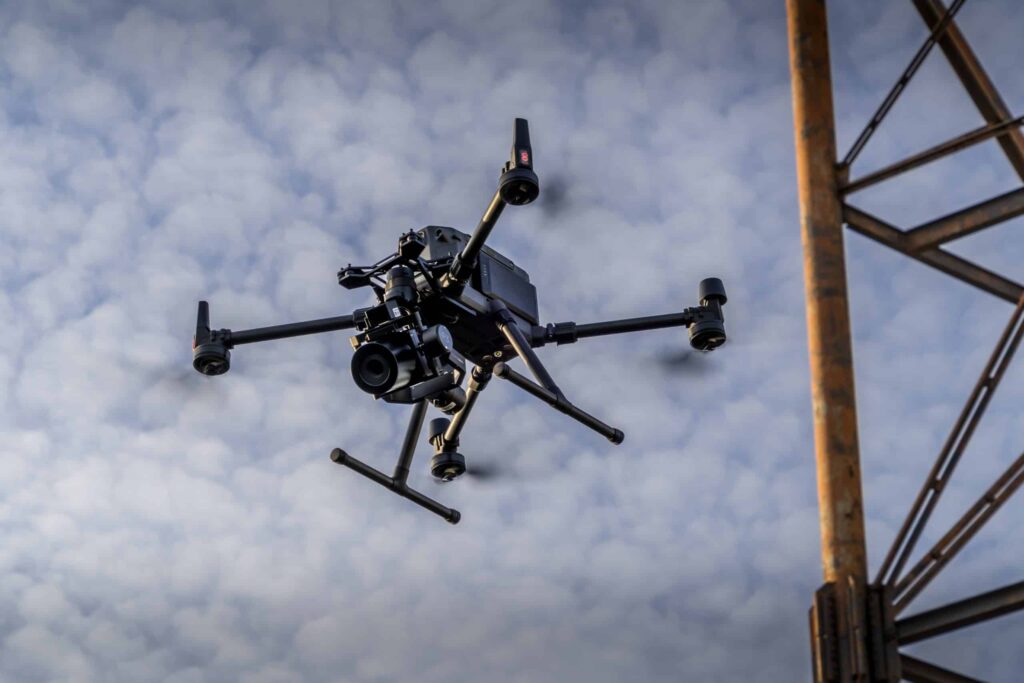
(444, 299)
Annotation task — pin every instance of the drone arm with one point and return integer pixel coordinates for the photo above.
(518, 185)
(570, 332)
(211, 349)
(706, 322)
(465, 260)
(260, 334)
(229, 338)
(397, 483)
(559, 402)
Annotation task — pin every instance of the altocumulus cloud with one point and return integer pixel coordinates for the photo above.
(160, 526)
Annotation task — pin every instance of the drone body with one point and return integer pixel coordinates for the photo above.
(444, 299)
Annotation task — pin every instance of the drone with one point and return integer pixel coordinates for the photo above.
(443, 300)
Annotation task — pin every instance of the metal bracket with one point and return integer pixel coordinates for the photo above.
(838, 654)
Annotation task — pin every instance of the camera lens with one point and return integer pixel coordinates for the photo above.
(378, 368)
(373, 366)
(374, 371)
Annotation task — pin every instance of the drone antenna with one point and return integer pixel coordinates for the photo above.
(522, 153)
(202, 324)
(518, 185)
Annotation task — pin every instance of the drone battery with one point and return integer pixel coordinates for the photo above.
(499, 278)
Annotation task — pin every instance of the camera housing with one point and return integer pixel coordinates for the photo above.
(399, 358)
(380, 367)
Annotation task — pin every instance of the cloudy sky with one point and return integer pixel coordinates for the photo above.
(160, 525)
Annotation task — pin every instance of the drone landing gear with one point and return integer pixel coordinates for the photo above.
(397, 482)
(448, 463)
(546, 390)
(559, 402)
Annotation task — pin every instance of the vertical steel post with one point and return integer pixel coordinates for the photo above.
(832, 391)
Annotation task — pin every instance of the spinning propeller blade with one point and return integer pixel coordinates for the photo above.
(683, 361)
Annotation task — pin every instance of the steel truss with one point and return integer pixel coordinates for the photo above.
(856, 625)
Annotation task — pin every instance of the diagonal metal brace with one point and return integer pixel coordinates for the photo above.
(956, 538)
(917, 671)
(977, 83)
(953, 448)
(962, 269)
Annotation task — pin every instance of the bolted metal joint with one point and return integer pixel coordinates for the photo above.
(856, 641)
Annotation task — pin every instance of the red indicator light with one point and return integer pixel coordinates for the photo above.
(524, 156)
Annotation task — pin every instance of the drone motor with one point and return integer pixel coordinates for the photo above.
(447, 463)
(708, 329)
(210, 356)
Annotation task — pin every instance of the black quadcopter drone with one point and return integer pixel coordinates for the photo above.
(443, 299)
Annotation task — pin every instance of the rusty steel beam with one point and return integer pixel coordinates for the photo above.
(966, 221)
(916, 671)
(908, 587)
(977, 83)
(956, 144)
(840, 500)
(960, 614)
(962, 269)
(831, 356)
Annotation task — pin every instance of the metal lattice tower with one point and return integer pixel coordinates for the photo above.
(857, 624)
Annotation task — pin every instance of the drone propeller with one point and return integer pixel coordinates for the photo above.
(177, 386)
(486, 471)
(683, 361)
(555, 199)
